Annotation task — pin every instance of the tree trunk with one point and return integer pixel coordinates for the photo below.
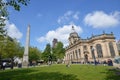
(12, 63)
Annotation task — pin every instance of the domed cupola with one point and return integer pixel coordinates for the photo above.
(73, 38)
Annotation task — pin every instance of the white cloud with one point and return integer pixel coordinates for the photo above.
(68, 17)
(13, 31)
(68, 13)
(76, 16)
(100, 19)
(61, 33)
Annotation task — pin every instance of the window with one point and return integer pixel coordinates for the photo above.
(76, 54)
(84, 47)
(79, 52)
(99, 51)
(73, 55)
(111, 49)
(92, 51)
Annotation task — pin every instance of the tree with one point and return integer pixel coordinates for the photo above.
(10, 49)
(16, 4)
(2, 40)
(4, 4)
(59, 51)
(46, 55)
(34, 54)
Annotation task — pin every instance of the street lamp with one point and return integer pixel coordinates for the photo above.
(93, 54)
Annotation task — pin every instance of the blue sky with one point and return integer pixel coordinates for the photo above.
(53, 19)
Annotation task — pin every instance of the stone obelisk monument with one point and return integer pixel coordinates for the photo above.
(26, 51)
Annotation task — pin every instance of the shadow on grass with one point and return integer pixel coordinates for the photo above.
(113, 74)
(52, 76)
(10, 74)
(28, 74)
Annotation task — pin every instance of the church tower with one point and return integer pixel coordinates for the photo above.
(73, 38)
(54, 42)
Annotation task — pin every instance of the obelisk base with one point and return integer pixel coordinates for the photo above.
(25, 62)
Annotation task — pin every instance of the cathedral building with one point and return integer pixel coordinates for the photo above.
(96, 48)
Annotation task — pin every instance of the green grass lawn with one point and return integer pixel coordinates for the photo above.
(61, 72)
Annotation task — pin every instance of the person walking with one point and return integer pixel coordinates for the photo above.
(3, 66)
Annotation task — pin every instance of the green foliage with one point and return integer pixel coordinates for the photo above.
(4, 4)
(16, 4)
(20, 50)
(11, 49)
(47, 52)
(2, 34)
(34, 54)
(59, 51)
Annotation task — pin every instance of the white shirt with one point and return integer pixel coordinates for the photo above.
(4, 63)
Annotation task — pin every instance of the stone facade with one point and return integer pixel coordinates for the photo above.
(97, 47)
(118, 45)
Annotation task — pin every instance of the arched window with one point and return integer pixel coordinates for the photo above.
(73, 55)
(99, 50)
(76, 54)
(79, 52)
(84, 47)
(111, 49)
(92, 52)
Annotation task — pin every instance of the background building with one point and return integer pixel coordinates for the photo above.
(54, 42)
(97, 47)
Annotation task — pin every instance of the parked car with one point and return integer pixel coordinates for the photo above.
(8, 62)
(117, 62)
